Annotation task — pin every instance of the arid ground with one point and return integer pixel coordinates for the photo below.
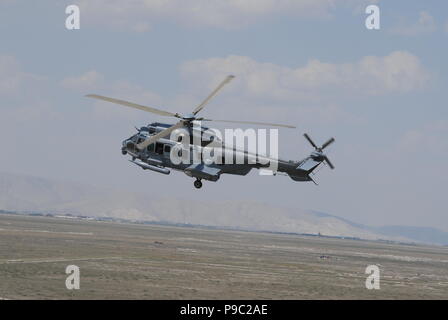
(133, 261)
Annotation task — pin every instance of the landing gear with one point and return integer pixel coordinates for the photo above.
(198, 184)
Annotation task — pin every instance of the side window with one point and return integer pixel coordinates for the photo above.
(151, 147)
(159, 148)
(167, 148)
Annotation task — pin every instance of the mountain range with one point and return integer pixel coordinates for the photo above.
(28, 194)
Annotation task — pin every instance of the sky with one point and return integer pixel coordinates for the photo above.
(310, 63)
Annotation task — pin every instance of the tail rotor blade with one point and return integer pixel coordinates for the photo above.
(310, 141)
(329, 162)
(326, 144)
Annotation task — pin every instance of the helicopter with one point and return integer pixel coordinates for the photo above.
(153, 146)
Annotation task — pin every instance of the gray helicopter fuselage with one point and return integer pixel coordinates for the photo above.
(157, 156)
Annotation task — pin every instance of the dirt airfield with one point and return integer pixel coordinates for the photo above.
(133, 261)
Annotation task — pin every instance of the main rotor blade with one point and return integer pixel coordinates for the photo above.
(326, 144)
(250, 122)
(133, 105)
(310, 141)
(211, 95)
(159, 135)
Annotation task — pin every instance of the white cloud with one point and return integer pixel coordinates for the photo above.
(12, 77)
(94, 82)
(138, 15)
(397, 72)
(430, 138)
(87, 81)
(22, 96)
(316, 93)
(425, 24)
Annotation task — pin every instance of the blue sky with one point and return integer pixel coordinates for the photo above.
(380, 93)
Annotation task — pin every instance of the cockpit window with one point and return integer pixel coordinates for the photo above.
(141, 138)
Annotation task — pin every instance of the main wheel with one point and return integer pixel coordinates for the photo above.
(198, 184)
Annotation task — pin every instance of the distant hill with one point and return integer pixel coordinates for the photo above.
(418, 234)
(31, 194)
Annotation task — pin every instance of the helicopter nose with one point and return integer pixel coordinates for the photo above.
(130, 146)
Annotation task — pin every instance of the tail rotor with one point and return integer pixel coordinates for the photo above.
(318, 154)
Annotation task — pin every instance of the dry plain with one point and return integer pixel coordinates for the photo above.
(135, 261)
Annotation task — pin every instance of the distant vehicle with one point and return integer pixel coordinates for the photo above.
(151, 148)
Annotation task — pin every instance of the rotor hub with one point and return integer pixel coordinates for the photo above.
(189, 117)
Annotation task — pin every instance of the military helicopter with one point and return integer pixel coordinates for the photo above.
(151, 148)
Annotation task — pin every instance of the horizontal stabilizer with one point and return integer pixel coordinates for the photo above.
(309, 164)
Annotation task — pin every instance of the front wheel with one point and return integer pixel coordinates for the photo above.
(198, 184)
